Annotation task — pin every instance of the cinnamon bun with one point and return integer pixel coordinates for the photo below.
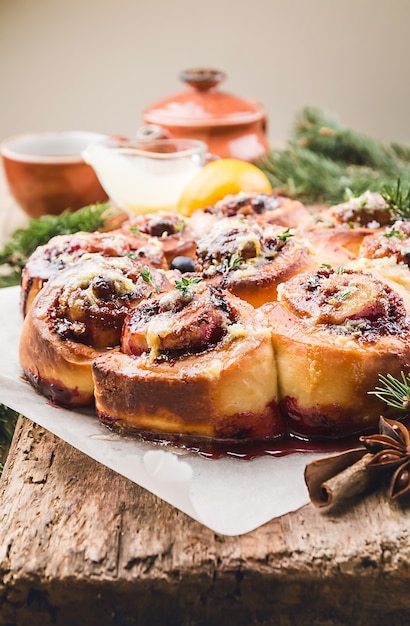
(250, 258)
(195, 363)
(63, 250)
(76, 316)
(334, 333)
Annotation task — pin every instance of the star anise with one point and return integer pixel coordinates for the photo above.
(390, 450)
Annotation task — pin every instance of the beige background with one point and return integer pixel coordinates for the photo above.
(96, 64)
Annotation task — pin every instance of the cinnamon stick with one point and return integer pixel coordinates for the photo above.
(333, 479)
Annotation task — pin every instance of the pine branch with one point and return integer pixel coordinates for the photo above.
(39, 231)
(300, 173)
(324, 134)
(326, 162)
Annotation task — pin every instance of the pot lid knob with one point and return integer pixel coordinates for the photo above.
(202, 78)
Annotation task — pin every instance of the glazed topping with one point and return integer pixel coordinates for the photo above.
(64, 250)
(368, 210)
(347, 302)
(158, 225)
(233, 244)
(92, 303)
(394, 241)
(177, 324)
(150, 253)
(244, 204)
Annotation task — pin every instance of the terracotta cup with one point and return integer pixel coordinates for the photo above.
(46, 173)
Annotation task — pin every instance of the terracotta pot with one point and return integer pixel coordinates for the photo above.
(229, 125)
(46, 173)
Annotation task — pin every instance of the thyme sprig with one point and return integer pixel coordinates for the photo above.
(287, 234)
(232, 263)
(147, 278)
(184, 285)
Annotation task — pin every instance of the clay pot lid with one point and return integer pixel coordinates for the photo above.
(203, 104)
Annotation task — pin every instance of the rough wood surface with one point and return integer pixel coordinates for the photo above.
(81, 544)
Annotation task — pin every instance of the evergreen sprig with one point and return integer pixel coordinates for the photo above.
(39, 231)
(325, 162)
(300, 173)
(393, 391)
(397, 199)
(324, 134)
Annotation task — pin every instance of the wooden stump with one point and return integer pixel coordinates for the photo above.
(82, 545)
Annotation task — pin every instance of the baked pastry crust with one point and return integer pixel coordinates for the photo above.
(76, 316)
(201, 366)
(333, 335)
(258, 339)
(250, 258)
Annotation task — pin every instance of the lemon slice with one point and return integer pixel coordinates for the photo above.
(219, 178)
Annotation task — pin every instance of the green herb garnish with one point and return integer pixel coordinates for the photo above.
(285, 235)
(394, 232)
(147, 277)
(185, 284)
(233, 263)
(136, 231)
(346, 294)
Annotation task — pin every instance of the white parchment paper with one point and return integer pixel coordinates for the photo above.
(230, 496)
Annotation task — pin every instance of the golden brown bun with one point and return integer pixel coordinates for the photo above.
(250, 258)
(76, 316)
(368, 210)
(63, 250)
(391, 241)
(200, 365)
(271, 208)
(337, 233)
(333, 335)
